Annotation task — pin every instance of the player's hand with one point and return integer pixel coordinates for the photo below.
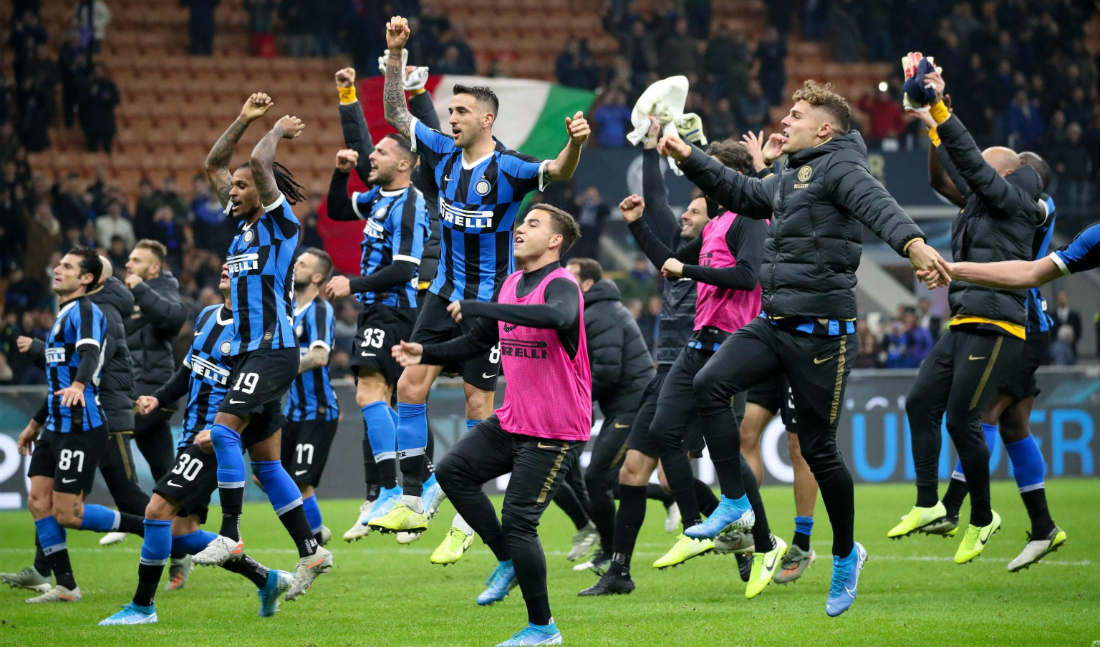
(773, 148)
(408, 353)
(922, 115)
(397, 34)
(672, 269)
(674, 147)
(577, 127)
(72, 394)
(146, 404)
(346, 160)
(345, 78)
(935, 81)
(132, 279)
(338, 286)
(755, 143)
(289, 126)
(454, 308)
(27, 438)
(23, 343)
(205, 443)
(651, 135)
(255, 106)
(924, 258)
(632, 207)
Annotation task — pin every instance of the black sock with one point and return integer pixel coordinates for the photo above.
(802, 540)
(148, 579)
(1036, 503)
(681, 483)
(62, 568)
(838, 494)
(761, 532)
(705, 496)
(232, 502)
(538, 609)
(411, 469)
(628, 520)
(499, 546)
(387, 472)
(294, 520)
(131, 523)
(370, 470)
(373, 491)
(620, 563)
(656, 492)
(954, 496)
(249, 568)
(41, 564)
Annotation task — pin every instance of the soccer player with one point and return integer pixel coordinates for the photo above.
(1080, 255)
(64, 458)
(178, 508)
(157, 318)
(819, 203)
(312, 411)
(538, 320)
(258, 195)
(480, 186)
(986, 332)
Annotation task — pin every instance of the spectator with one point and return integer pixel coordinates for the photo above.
(261, 42)
(1025, 125)
(929, 320)
(147, 204)
(885, 115)
(720, 123)
(698, 14)
(451, 63)
(678, 54)
(919, 339)
(752, 109)
(169, 231)
(574, 67)
(455, 37)
(867, 354)
(8, 141)
(311, 236)
(36, 111)
(592, 213)
(1062, 352)
(97, 110)
(612, 121)
(638, 283)
(771, 55)
(298, 22)
(92, 18)
(647, 321)
(1063, 315)
(27, 33)
(112, 225)
(68, 203)
(846, 31)
(726, 62)
(168, 195)
(23, 293)
(118, 251)
(43, 238)
(213, 231)
(1070, 160)
(200, 26)
(640, 49)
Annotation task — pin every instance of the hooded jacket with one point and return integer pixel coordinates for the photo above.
(621, 364)
(116, 380)
(156, 319)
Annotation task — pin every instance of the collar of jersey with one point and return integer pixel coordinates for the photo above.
(224, 322)
(298, 311)
(390, 194)
(466, 166)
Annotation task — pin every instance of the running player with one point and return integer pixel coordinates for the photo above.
(178, 508)
(312, 411)
(538, 320)
(258, 196)
(480, 186)
(64, 458)
(820, 203)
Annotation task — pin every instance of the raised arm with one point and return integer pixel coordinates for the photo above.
(352, 122)
(656, 250)
(1007, 275)
(658, 213)
(393, 90)
(563, 166)
(263, 156)
(943, 177)
(747, 196)
(339, 204)
(745, 240)
(217, 160)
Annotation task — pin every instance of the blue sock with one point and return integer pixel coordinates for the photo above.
(99, 518)
(381, 430)
(990, 433)
(227, 448)
(804, 525)
(471, 423)
(412, 430)
(741, 502)
(548, 628)
(277, 485)
(191, 543)
(393, 414)
(157, 545)
(313, 513)
(1028, 465)
(50, 535)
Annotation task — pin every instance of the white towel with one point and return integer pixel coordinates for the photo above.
(665, 100)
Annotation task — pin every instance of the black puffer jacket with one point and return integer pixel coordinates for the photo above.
(818, 205)
(997, 224)
(157, 318)
(621, 365)
(116, 381)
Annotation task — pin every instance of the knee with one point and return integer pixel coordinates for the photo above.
(448, 473)
(514, 523)
(412, 387)
(633, 471)
(68, 516)
(595, 483)
(40, 504)
(479, 403)
(749, 437)
(160, 508)
(709, 391)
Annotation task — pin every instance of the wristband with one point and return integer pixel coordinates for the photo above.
(934, 136)
(347, 95)
(940, 112)
(413, 93)
(905, 250)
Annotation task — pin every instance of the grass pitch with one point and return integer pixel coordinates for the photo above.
(380, 593)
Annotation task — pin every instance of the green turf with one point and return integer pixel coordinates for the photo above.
(380, 593)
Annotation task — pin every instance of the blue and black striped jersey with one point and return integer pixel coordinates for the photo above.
(311, 396)
(1082, 254)
(260, 262)
(208, 360)
(1037, 318)
(478, 205)
(395, 227)
(80, 326)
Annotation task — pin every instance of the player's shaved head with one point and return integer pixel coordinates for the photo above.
(108, 269)
(1003, 160)
(483, 94)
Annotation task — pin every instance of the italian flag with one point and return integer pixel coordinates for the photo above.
(531, 120)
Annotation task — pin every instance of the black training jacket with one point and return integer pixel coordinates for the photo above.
(621, 364)
(157, 318)
(818, 205)
(116, 381)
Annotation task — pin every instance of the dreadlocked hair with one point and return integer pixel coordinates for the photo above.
(286, 183)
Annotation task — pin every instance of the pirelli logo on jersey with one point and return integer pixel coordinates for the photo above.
(523, 349)
(243, 263)
(465, 218)
(55, 355)
(205, 369)
(373, 229)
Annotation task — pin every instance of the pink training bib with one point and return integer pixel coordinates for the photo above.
(722, 308)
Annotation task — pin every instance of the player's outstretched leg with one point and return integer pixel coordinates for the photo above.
(458, 540)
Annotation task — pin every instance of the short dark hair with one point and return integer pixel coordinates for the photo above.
(733, 154)
(155, 246)
(480, 92)
(325, 264)
(821, 95)
(89, 262)
(404, 144)
(563, 223)
(590, 268)
(1036, 161)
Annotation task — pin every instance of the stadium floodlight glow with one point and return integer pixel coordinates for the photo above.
(882, 86)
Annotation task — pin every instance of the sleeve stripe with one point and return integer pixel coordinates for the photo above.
(275, 205)
(543, 170)
(412, 131)
(355, 204)
(410, 259)
(1057, 258)
(89, 341)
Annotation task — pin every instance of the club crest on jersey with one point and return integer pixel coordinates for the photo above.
(226, 347)
(248, 235)
(298, 330)
(482, 187)
(380, 213)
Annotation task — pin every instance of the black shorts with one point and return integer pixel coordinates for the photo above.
(71, 459)
(434, 325)
(1020, 383)
(194, 475)
(378, 329)
(305, 449)
(775, 395)
(258, 382)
